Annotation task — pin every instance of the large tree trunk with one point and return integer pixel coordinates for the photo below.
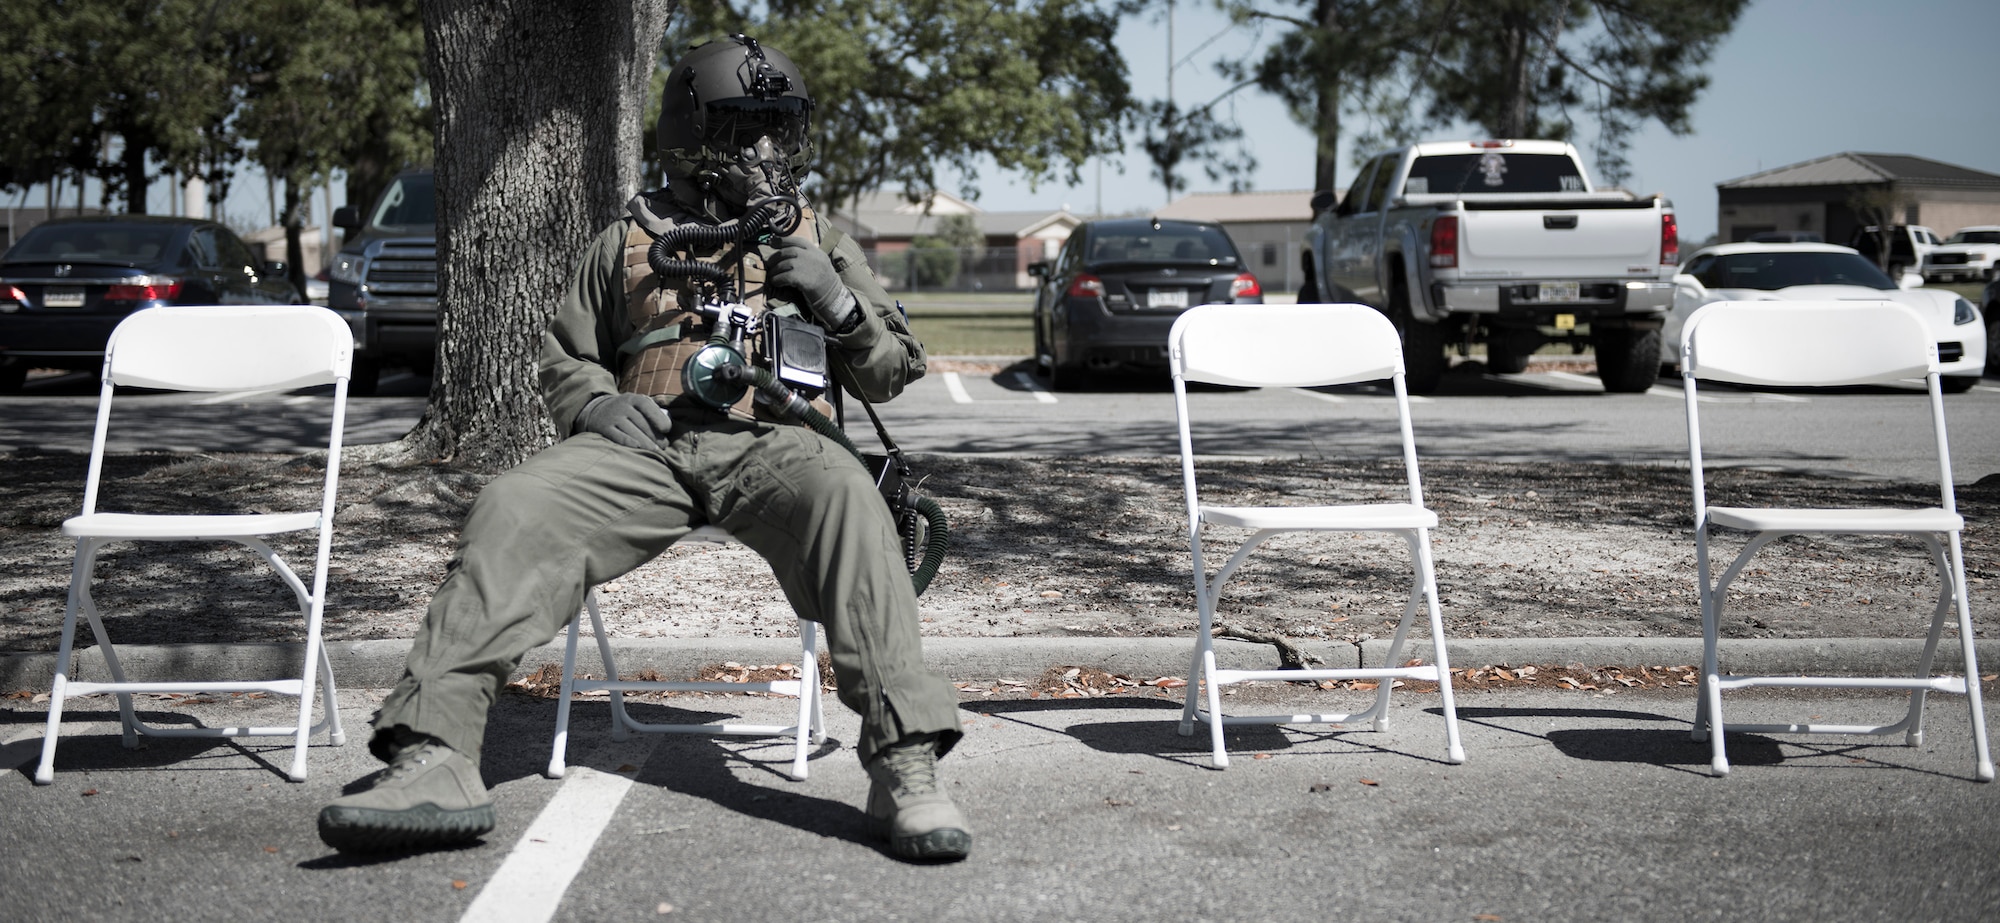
(539, 109)
(1326, 121)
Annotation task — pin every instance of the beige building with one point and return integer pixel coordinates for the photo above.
(887, 225)
(1827, 196)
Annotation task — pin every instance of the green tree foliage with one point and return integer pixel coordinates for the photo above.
(1530, 68)
(905, 89)
(114, 88)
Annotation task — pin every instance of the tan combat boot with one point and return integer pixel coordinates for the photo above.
(906, 805)
(430, 796)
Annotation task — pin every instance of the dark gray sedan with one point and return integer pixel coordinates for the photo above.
(67, 282)
(1112, 293)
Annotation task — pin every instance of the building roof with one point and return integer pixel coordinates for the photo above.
(1851, 168)
(890, 215)
(1227, 207)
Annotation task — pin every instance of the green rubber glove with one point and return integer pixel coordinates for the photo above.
(800, 265)
(631, 420)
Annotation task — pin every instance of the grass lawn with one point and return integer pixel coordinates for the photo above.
(972, 323)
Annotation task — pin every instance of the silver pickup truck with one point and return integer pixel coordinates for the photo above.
(384, 280)
(1501, 243)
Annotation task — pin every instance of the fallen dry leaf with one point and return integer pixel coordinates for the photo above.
(271, 849)
(1368, 782)
(89, 792)
(1487, 917)
(458, 884)
(1261, 756)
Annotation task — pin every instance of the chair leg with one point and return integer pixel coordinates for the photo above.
(1214, 690)
(1454, 749)
(330, 699)
(45, 771)
(808, 691)
(1982, 757)
(557, 750)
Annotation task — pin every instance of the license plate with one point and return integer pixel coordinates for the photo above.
(1557, 291)
(1167, 298)
(62, 298)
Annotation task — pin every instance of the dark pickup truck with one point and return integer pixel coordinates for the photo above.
(384, 280)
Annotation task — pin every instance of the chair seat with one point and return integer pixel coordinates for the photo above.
(1756, 519)
(181, 526)
(1358, 516)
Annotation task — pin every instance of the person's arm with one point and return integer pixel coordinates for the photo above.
(579, 357)
(866, 333)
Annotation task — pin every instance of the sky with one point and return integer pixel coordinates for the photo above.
(1795, 80)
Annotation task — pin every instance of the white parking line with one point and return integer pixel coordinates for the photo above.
(957, 388)
(1028, 381)
(1574, 378)
(529, 885)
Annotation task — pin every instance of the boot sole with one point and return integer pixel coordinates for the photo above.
(943, 845)
(425, 826)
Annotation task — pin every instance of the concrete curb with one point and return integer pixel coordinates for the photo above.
(378, 664)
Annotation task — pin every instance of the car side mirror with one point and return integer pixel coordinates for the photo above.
(347, 218)
(1323, 200)
(1039, 270)
(1683, 280)
(274, 267)
(1910, 280)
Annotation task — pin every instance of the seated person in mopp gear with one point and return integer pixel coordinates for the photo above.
(653, 452)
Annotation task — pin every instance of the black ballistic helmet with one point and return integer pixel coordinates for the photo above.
(720, 100)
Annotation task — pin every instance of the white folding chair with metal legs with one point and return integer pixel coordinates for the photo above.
(809, 729)
(1824, 344)
(211, 349)
(1301, 346)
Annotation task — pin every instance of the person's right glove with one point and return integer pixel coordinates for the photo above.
(631, 420)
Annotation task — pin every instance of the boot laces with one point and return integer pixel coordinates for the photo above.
(913, 767)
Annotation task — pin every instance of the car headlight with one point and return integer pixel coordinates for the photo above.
(348, 268)
(1962, 312)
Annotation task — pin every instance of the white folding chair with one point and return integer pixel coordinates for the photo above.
(211, 349)
(1300, 346)
(1823, 344)
(810, 728)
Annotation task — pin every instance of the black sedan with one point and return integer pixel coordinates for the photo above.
(67, 282)
(1111, 295)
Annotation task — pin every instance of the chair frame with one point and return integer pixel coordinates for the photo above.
(133, 358)
(807, 730)
(1248, 361)
(1909, 353)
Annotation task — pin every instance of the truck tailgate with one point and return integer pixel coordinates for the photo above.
(1560, 242)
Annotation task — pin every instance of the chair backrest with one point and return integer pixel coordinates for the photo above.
(1285, 346)
(1807, 343)
(1272, 345)
(229, 348)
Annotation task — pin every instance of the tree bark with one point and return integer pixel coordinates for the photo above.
(1326, 122)
(539, 113)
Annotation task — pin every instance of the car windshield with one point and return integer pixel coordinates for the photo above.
(1493, 171)
(1769, 272)
(92, 243)
(411, 200)
(1974, 237)
(1166, 244)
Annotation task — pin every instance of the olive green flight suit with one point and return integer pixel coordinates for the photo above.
(587, 510)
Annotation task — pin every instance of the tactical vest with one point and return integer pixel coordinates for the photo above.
(662, 335)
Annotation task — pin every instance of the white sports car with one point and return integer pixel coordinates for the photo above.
(1823, 272)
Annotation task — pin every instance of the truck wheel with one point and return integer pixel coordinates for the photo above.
(1309, 289)
(13, 376)
(1628, 361)
(364, 378)
(1423, 344)
(1993, 339)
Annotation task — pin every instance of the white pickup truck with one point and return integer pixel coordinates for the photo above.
(1504, 243)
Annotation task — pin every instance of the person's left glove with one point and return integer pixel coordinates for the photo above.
(800, 265)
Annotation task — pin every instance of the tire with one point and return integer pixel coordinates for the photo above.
(1423, 344)
(1957, 384)
(1628, 361)
(365, 378)
(1309, 289)
(1993, 340)
(13, 376)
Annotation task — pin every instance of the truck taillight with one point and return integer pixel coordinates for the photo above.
(1086, 286)
(1670, 241)
(1245, 286)
(155, 291)
(1444, 243)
